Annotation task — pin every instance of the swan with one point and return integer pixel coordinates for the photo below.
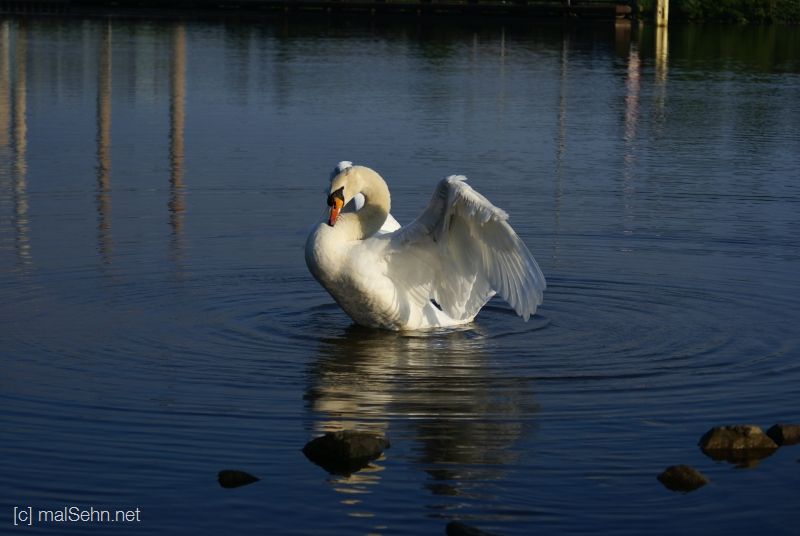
(438, 271)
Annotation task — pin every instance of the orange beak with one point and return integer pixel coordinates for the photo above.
(336, 207)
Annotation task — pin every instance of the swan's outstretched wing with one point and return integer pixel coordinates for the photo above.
(461, 251)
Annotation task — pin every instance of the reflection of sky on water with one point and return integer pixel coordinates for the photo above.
(654, 183)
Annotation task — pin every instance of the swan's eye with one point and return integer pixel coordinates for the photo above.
(338, 194)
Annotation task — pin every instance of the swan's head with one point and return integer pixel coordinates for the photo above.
(348, 181)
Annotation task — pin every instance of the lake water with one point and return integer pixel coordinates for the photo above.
(158, 323)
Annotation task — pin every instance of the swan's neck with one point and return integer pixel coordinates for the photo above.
(367, 221)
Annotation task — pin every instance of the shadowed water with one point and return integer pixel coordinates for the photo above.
(158, 324)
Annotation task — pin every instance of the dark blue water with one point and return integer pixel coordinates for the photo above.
(158, 323)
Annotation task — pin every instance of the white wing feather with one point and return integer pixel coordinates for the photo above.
(461, 251)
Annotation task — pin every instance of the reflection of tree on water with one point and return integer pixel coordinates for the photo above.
(464, 416)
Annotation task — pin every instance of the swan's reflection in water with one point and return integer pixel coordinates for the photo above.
(442, 400)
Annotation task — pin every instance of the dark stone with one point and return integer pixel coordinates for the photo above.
(457, 528)
(346, 451)
(785, 434)
(682, 478)
(233, 479)
(742, 445)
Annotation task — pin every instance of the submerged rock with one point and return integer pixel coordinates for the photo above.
(346, 451)
(737, 437)
(229, 478)
(785, 434)
(682, 478)
(457, 528)
(743, 445)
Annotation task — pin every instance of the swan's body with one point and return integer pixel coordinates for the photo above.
(437, 271)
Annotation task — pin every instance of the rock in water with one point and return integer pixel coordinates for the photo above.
(738, 437)
(233, 479)
(346, 451)
(785, 434)
(739, 444)
(456, 528)
(682, 478)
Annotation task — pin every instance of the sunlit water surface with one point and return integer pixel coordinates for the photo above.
(158, 323)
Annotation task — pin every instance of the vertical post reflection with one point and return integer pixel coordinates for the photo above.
(502, 94)
(561, 140)
(632, 85)
(5, 124)
(474, 48)
(503, 46)
(5, 68)
(662, 54)
(632, 89)
(20, 141)
(662, 63)
(622, 36)
(104, 243)
(176, 126)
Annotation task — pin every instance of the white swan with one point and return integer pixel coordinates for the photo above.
(438, 271)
